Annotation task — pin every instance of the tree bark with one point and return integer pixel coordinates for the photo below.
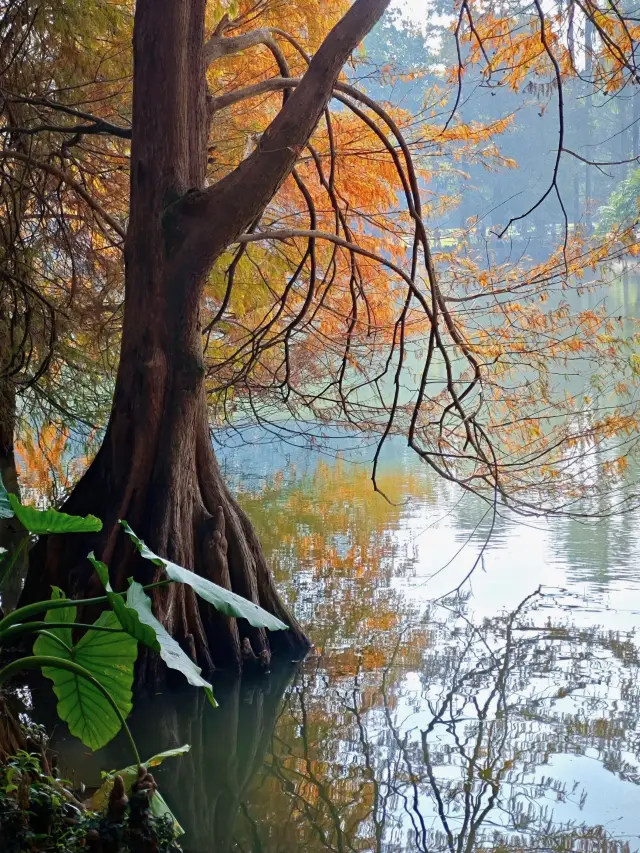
(156, 467)
(14, 346)
(12, 533)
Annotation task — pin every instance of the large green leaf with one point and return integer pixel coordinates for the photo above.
(42, 521)
(127, 616)
(5, 506)
(137, 619)
(109, 657)
(100, 799)
(169, 649)
(222, 599)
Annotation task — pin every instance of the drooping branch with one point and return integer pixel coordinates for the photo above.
(474, 435)
(315, 234)
(553, 185)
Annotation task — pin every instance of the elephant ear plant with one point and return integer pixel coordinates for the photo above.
(93, 676)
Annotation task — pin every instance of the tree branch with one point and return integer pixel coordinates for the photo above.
(274, 84)
(315, 234)
(218, 46)
(206, 222)
(75, 186)
(72, 129)
(97, 124)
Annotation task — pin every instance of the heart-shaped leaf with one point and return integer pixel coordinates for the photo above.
(108, 656)
(42, 521)
(169, 649)
(222, 599)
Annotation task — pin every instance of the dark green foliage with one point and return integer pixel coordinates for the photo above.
(39, 814)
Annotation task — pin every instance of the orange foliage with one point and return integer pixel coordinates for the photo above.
(321, 330)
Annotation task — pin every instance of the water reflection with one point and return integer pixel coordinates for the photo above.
(503, 717)
(210, 785)
(458, 754)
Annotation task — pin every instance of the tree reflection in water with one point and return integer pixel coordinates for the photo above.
(453, 757)
(439, 734)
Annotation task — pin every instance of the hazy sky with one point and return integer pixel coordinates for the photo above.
(414, 9)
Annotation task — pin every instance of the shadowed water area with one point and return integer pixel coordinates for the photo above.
(504, 715)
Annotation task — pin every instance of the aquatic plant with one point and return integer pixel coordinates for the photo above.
(93, 674)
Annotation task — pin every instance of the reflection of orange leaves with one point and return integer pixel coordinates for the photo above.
(46, 465)
(383, 621)
(349, 661)
(373, 658)
(332, 526)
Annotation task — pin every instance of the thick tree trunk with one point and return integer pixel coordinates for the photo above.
(12, 350)
(156, 466)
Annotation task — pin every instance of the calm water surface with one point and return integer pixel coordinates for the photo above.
(504, 715)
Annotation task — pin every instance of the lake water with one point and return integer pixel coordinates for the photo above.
(502, 715)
